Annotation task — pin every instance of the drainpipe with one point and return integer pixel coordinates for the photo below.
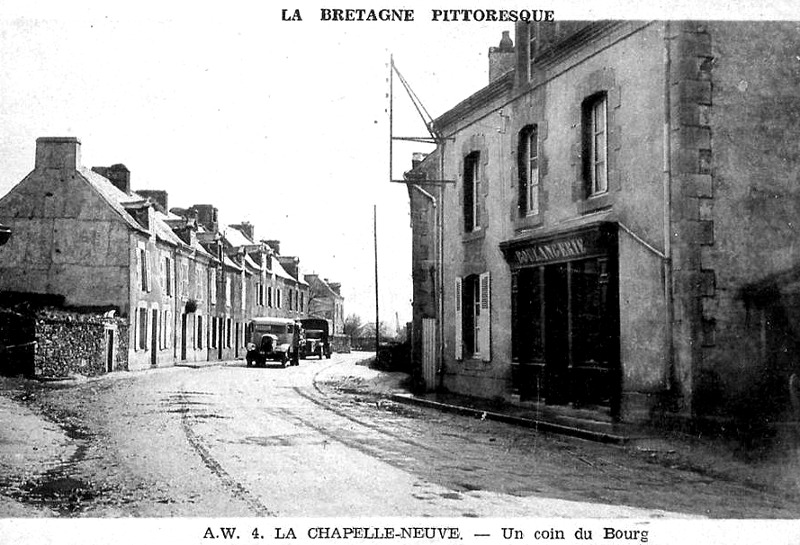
(667, 179)
(437, 289)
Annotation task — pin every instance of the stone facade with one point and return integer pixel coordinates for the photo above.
(184, 286)
(71, 343)
(621, 199)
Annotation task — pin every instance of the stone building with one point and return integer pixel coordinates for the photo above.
(326, 301)
(621, 231)
(86, 238)
(138, 284)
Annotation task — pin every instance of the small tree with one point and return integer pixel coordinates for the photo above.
(352, 326)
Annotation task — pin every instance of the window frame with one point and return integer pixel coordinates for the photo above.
(529, 159)
(595, 144)
(472, 188)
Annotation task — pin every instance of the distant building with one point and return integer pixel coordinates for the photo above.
(326, 301)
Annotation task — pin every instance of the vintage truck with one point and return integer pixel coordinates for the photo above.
(274, 339)
(316, 342)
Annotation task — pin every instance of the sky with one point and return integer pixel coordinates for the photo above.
(280, 123)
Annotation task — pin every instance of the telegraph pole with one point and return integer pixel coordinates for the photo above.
(377, 313)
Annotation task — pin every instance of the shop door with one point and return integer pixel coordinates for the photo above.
(557, 334)
(595, 333)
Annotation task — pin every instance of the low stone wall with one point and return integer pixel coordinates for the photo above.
(70, 343)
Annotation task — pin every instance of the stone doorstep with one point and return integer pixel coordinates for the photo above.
(548, 421)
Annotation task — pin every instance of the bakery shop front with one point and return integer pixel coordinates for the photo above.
(565, 317)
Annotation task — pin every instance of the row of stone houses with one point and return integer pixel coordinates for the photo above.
(171, 285)
(612, 223)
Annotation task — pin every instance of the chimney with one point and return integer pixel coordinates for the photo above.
(501, 58)
(275, 245)
(291, 265)
(157, 196)
(246, 228)
(118, 174)
(61, 152)
(207, 216)
(417, 158)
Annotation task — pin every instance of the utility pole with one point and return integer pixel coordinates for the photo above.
(377, 313)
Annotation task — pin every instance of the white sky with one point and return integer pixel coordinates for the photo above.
(282, 124)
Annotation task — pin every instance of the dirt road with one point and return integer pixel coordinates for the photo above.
(306, 441)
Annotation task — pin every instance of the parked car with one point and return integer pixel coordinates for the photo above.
(274, 339)
(316, 338)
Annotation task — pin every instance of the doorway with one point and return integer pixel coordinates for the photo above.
(109, 350)
(154, 339)
(183, 336)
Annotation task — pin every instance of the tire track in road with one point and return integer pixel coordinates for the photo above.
(237, 489)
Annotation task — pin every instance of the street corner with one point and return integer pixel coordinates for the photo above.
(29, 444)
(358, 375)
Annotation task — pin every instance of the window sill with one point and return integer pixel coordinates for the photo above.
(478, 234)
(595, 203)
(529, 222)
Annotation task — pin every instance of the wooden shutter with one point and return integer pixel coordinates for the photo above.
(485, 318)
(148, 268)
(459, 323)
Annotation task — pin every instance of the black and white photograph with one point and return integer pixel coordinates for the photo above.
(405, 271)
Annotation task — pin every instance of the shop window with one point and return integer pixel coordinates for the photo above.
(473, 317)
(472, 187)
(528, 156)
(595, 144)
